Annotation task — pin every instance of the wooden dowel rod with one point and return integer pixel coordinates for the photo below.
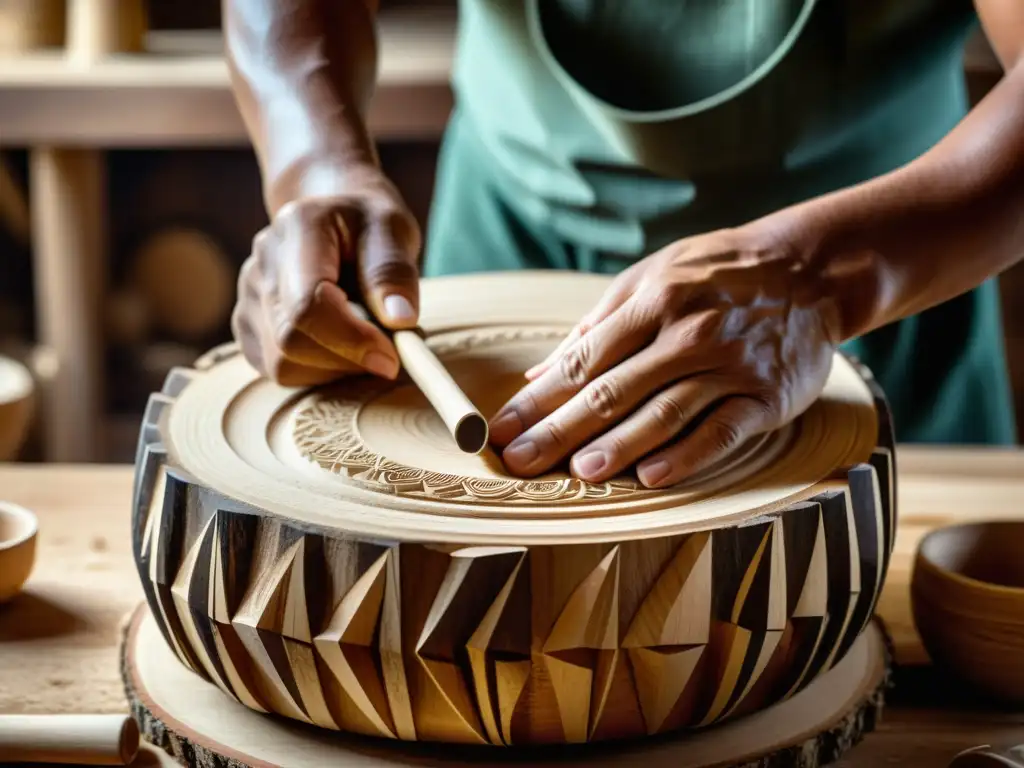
(68, 739)
(460, 416)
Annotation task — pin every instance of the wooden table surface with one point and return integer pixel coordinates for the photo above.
(59, 638)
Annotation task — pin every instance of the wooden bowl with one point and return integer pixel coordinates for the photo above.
(17, 402)
(332, 556)
(967, 594)
(18, 529)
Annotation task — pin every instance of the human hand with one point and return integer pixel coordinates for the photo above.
(294, 318)
(689, 353)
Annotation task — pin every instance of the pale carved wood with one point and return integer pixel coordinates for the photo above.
(333, 557)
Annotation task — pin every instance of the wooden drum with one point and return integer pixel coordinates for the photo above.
(330, 556)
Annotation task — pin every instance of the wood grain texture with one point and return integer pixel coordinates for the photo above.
(491, 609)
(183, 715)
(58, 637)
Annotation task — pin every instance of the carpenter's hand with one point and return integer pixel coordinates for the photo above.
(293, 318)
(690, 352)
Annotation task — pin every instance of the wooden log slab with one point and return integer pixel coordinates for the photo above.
(192, 721)
(331, 556)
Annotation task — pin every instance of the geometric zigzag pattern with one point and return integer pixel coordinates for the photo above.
(508, 645)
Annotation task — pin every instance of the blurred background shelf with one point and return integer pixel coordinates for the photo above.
(123, 147)
(177, 92)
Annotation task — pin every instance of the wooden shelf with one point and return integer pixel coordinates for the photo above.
(178, 93)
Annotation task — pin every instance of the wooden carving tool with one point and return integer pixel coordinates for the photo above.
(464, 422)
(68, 739)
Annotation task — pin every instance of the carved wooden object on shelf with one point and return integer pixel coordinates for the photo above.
(331, 556)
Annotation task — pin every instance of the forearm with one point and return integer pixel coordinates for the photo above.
(932, 230)
(303, 73)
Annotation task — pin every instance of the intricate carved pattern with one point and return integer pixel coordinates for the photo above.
(326, 432)
(512, 645)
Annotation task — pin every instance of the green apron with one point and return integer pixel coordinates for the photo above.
(590, 133)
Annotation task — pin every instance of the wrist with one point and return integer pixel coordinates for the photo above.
(847, 282)
(318, 177)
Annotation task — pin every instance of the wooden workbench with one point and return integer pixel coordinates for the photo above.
(59, 639)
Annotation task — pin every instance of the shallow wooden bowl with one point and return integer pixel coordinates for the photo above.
(330, 555)
(17, 399)
(967, 593)
(18, 529)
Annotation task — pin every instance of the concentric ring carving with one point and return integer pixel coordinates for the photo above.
(326, 432)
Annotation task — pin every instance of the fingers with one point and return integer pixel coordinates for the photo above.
(304, 363)
(571, 338)
(724, 430)
(596, 412)
(329, 320)
(294, 323)
(656, 423)
(388, 268)
(620, 336)
(320, 310)
(305, 273)
(289, 374)
(616, 295)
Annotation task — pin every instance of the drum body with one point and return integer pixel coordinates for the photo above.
(330, 556)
